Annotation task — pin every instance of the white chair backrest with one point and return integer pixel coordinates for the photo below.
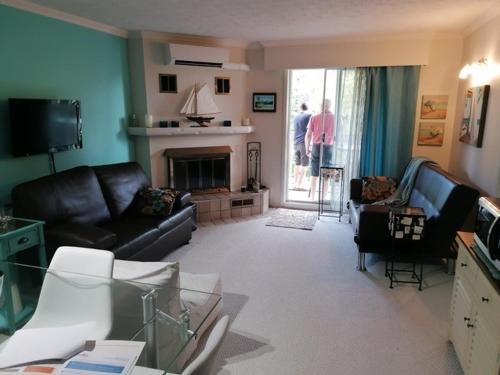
(204, 363)
(77, 289)
(82, 260)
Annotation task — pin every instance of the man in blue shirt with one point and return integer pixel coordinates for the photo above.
(301, 159)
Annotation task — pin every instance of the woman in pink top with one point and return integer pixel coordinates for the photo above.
(320, 129)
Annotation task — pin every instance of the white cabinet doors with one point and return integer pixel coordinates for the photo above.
(485, 350)
(461, 320)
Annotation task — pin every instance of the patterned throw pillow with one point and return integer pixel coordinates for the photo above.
(157, 201)
(377, 188)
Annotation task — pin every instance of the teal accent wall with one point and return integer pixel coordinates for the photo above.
(41, 57)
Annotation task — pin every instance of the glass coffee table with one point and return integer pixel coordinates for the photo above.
(151, 313)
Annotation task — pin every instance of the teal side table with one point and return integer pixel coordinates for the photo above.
(15, 236)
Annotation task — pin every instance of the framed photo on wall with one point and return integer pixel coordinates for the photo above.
(430, 134)
(475, 106)
(264, 102)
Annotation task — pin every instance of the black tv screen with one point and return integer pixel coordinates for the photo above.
(40, 126)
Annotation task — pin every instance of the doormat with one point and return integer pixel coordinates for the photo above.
(297, 219)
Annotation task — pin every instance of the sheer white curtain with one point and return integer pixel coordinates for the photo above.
(350, 104)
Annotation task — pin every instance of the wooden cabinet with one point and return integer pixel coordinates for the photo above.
(475, 315)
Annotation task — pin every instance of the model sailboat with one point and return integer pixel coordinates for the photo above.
(199, 106)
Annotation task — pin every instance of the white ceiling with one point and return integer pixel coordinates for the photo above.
(264, 20)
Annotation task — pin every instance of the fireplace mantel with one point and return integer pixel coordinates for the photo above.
(170, 132)
(151, 143)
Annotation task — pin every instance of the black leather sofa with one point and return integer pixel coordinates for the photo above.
(95, 207)
(445, 200)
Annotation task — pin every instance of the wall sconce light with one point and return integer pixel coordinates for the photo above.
(479, 68)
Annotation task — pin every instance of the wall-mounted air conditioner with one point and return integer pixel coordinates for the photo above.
(211, 57)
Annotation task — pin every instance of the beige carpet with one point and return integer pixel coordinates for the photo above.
(296, 219)
(298, 306)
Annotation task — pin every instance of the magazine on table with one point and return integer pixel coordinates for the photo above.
(98, 358)
(106, 357)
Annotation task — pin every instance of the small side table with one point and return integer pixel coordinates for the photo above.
(406, 226)
(18, 235)
(331, 171)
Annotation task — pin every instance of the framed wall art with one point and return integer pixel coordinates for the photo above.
(430, 134)
(434, 107)
(264, 102)
(475, 107)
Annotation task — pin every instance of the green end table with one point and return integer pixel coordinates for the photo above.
(18, 235)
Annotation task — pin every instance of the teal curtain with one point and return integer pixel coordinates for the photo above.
(389, 118)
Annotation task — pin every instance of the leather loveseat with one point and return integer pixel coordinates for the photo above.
(445, 200)
(95, 207)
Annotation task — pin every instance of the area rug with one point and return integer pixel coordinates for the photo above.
(297, 219)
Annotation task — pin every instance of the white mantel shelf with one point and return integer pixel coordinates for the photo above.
(171, 132)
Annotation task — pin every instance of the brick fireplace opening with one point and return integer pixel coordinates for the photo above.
(199, 169)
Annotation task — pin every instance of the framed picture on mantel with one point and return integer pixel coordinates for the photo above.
(264, 102)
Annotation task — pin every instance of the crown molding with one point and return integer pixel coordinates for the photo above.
(482, 20)
(63, 16)
(197, 40)
(424, 36)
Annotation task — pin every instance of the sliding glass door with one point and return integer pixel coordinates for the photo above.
(323, 128)
(310, 132)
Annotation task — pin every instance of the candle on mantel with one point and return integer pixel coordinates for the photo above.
(148, 120)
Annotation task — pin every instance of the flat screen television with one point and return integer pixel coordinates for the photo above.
(41, 126)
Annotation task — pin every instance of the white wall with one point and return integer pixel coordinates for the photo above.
(440, 56)
(269, 129)
(438, 77)
(480, 166)
(147, 63)
(164, 106)
(349, 53)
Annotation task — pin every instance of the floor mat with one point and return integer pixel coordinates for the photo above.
(297, 219)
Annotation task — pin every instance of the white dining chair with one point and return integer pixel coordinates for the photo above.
(77, 289)
(204, 363)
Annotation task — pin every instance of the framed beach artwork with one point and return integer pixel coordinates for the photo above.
(475, 106)
(430, 134)
(264, 102)
(434, 107)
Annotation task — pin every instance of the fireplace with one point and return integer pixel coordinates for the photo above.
(199, 169)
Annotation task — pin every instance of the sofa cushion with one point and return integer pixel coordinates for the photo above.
(72, 196)
(131, 236)
(446, 202)
(120, 184)
(163, 224)
(156, 201)
(377, 188)
(81, 235)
